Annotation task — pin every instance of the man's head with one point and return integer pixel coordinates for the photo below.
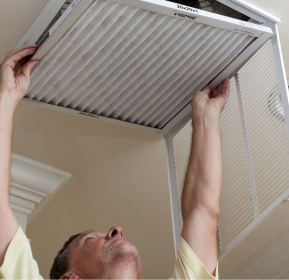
(95, 255)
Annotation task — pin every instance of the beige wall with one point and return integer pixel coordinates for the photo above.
(15, 18)
(119, 177)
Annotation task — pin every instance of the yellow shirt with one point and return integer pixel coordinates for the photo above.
(19, 262)
(188, 266)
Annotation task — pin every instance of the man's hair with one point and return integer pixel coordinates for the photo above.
(60, 264)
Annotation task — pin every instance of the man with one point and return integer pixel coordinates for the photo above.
(98, 255)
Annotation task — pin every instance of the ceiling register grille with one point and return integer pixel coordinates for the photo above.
(247, 124)
(131, 64)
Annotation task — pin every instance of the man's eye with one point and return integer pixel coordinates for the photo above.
(89, 238)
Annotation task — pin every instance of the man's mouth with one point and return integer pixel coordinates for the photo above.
(116, 239)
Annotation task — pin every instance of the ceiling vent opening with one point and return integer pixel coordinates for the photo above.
(45, 33)
(213, 6)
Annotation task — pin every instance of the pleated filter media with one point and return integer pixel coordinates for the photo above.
(132, 64)
(255, 148)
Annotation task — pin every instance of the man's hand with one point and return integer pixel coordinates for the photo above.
(207, 105)
(202, 188)
(14, 83)
(15, 74)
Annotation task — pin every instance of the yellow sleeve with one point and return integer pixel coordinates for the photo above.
(18, 261)
(188, 266)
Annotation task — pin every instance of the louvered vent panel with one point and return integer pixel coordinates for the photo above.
(235, 204)
(266, 131)
(131, 64)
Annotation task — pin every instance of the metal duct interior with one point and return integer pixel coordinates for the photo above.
(132, 64)
(255, 147)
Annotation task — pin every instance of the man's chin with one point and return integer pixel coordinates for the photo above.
(124, 249)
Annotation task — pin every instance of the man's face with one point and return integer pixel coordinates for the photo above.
(98, 255)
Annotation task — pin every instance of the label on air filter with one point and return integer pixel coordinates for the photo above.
(87, 115)
(185, 16)
(186, 8)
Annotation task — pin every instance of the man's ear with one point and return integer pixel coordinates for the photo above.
(70, 275)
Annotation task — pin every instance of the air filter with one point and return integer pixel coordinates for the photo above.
(137, 62)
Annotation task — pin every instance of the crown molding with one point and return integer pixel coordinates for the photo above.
(31, 183)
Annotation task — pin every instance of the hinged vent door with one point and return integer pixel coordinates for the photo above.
(255, 150)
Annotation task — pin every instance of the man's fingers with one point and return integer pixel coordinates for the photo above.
(215, 93)
(223, 89)
(19, 49)
(206, 90)
(13, 60)
(27, 67)
(226, 88)
(219, 89)
(19, 65)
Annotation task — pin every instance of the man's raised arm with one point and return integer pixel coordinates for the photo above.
(14, 82)
(202, 188)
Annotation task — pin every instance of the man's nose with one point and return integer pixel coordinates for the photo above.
(114, 231)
